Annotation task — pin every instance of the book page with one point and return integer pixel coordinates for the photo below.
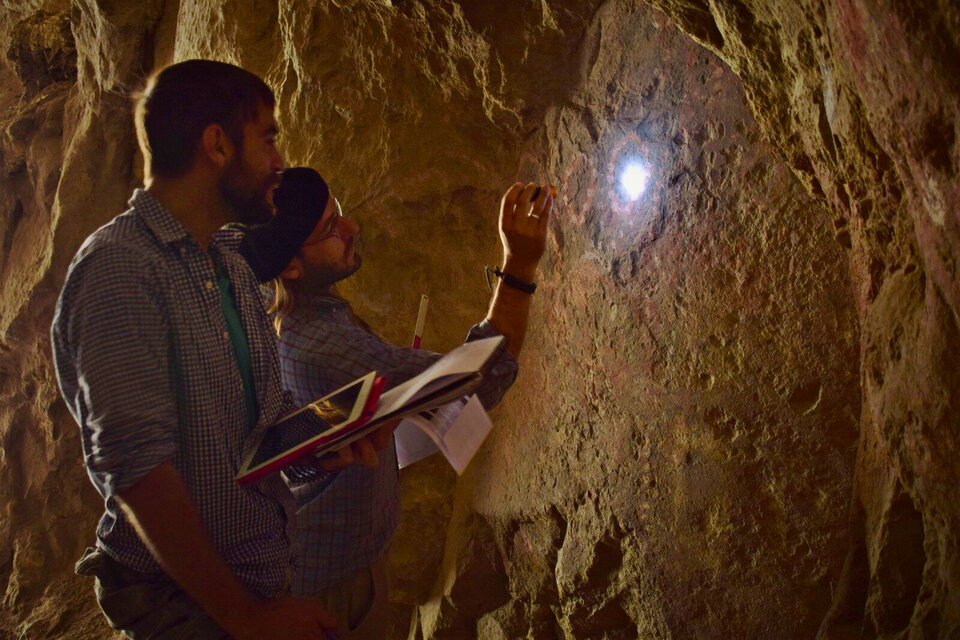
(459, 363)
(412, 439)
(456, 429)
(412, 442)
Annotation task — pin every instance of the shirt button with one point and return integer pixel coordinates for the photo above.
(209, 284)
(226, 336)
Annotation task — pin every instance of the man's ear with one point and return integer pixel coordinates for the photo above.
(216, 145)
(292, 271)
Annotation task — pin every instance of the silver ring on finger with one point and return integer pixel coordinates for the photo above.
(533, 215)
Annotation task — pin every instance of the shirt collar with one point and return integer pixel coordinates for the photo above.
(314, 301)
(229, 237)
(163, 225)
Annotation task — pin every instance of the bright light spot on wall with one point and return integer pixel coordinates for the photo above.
(634, 179)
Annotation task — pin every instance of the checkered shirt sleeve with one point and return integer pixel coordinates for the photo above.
(146, 367)
(345, 523)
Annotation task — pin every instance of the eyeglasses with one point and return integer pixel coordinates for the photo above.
(333, 227)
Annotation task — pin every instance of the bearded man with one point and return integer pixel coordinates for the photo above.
(346, 521)
(167, 361)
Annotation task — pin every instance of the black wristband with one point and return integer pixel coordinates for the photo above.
(509, 280)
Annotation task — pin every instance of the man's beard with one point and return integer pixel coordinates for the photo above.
(248, 201)
(319, 279)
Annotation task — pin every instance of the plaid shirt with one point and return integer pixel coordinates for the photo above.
(147, 368)
(345, 524)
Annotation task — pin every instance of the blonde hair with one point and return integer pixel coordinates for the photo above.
(284, 298)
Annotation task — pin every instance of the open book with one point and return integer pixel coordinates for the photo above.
(456, 430)
(359, 408)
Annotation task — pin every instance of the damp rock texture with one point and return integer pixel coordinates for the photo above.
(715, 371)
(862, 100)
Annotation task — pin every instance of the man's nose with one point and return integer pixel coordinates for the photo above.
(277, 163)
(348, 228)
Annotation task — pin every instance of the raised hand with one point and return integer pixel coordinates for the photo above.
(524, 214)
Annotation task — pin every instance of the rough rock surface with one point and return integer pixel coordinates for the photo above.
(679, 453)
(862, 98)
(694, 349)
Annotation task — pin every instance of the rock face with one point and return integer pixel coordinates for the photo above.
(713, 369)
(863, 99)
(688, 476)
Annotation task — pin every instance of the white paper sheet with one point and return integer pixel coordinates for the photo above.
(413, 444)
(456, 429)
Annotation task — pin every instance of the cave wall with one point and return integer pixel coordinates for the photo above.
(695, 353)
(678, 455)
(862, 99)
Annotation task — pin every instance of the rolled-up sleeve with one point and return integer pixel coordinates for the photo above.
(111, 345)
(500, 374)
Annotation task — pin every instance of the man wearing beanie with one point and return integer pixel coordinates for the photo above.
(345, 522)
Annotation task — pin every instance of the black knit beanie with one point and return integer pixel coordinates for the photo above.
(299, 201)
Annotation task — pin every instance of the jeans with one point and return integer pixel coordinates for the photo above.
(145, 606)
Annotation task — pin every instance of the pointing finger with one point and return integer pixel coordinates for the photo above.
(541, 195)
(509, 203)
(526, 198)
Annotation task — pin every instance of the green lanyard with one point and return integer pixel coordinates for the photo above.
(238, 338)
